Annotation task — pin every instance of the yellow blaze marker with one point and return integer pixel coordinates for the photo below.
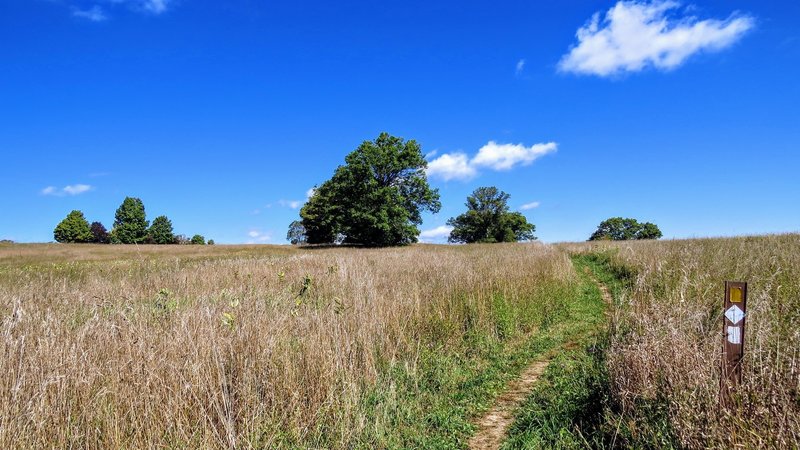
(736, 295)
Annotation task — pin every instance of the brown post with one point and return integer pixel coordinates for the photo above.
(733, 339)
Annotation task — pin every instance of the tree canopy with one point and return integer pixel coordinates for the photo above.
(198, 239)
(73, 229)
(160, 232)
(619, 229)
(488, 219)
(130, 223)
(376, 198)
(99, 233)
(297, 233)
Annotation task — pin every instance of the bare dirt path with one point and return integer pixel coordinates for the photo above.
(492, 427)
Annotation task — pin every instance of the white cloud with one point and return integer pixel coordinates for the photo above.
(635, 35)
(451, 166)
(458, 166)
(506, 156)
(520, 67)
(94, 14)
(531, 205)
(76, 189)
(294, 204)
(310, 193)
(72, 189)
(257, 236)
(440, 232)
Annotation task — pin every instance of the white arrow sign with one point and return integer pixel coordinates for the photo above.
(734, 314)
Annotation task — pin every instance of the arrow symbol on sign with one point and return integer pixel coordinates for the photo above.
(734, 314)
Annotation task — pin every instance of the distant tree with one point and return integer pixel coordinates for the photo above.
(160, 232)
(181, 239)
(624, 229)
(73, 229)
(6, 241)
(649, 231)
(99, 233)
(375, 199)
(488, 220)
(198, 240)
(297, 233)
(211, 242)
(130, 223)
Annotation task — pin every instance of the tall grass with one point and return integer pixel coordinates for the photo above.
(665, 351)
(111, 347)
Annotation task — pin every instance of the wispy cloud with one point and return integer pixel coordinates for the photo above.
(93, 14)
(72, 189)
(310, 192)
(635, 35)
(520, 67)
(98, 13)
(435, 234)
(494, 156)
(258, 237)
(294, 204)
(531, 205)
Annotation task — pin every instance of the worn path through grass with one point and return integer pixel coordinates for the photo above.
(582, 328)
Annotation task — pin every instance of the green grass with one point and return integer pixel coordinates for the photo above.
(434, 405)
(566, 408)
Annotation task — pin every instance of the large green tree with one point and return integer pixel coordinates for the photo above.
(488, 219)
(73, 229)
(624, 229)
(130, 223)
(376, 198)
(160, 232)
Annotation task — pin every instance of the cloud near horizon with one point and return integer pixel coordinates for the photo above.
(440, 232)
(494, 156)
(635, 35)
(72, 189)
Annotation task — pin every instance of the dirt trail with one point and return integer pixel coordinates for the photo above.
(493, 426)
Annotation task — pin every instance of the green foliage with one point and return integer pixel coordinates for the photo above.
(375, 199)
(297, 233)
(73, 229)
(130, 224)
(211, 242)
(488, 220)
(160, 232)
(619, 229)
(198, 239)
(99, 233)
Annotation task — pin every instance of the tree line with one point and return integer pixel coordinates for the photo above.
(130, 227)
(377, 198)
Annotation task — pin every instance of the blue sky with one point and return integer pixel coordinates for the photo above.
(222, 115)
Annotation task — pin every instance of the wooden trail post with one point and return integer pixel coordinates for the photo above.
(733, 342)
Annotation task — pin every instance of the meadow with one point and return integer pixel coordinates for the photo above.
(259, 346)
(665, 339)
(283, 347)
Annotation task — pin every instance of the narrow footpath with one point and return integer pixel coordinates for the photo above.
(493, 426)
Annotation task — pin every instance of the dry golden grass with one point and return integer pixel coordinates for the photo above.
(664, 359)
(235, 346)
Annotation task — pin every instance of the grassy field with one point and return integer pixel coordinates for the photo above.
(259, 347)
(664, 351)
(123, 347)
